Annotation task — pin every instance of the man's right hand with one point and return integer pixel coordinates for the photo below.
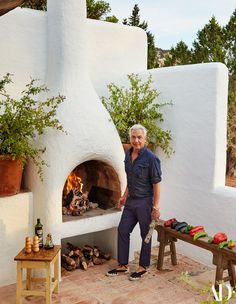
(121, 202)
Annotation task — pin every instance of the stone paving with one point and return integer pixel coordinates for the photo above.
(93, 287)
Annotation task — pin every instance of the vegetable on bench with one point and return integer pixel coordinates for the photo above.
(199, 234)
(195, 230)
(224, 259)
(218, 238)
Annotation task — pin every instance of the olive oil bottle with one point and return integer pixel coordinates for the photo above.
(39, 232)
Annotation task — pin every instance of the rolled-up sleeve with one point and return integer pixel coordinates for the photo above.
(155, 170)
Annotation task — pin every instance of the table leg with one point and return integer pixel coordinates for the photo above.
(19, 283)
(28, 278)
(56, 273)
(48, 284)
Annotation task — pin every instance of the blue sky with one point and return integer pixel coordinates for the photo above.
(173, 20)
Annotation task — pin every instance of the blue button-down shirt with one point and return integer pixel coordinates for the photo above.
(142, 173)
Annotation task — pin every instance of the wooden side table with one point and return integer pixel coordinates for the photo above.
(44, 259)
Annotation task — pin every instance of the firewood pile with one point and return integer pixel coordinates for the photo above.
(84, 257)
(76, 203)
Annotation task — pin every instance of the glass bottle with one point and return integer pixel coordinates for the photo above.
(39, 232)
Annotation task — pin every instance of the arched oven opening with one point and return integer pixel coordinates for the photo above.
(91, 189)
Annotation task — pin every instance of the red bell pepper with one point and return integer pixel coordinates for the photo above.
(167, 223)
(195, 230)
(219, 238)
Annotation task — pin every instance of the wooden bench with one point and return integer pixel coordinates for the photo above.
(223, 259)
(44, 259)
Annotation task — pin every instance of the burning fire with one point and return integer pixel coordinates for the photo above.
(73, 181)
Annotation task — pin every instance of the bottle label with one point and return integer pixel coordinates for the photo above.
(39, 233)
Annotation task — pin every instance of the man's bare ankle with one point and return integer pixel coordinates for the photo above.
(141, 268)
(123, 266)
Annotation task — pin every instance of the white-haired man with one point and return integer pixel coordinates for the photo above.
(140, 200)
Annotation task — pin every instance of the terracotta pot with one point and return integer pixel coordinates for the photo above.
(126, 147)
(10, 175)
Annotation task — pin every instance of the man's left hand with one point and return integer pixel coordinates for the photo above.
(155, 214)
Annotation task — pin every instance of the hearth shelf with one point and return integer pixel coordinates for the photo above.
(97, 220)
(89, 214)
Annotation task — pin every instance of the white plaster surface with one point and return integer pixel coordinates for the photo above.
(194, 177)
(111, 52)
(23, 47)
(52, 47)
(16, 215)
(82, 115)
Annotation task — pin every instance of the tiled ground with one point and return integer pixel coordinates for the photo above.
(93, 287)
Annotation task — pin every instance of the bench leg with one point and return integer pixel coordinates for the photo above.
(161, 253)
(231, 272)
(219, 271)
(173, 253)
(165, 240)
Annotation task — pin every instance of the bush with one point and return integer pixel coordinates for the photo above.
(138, 105)
(21, 121)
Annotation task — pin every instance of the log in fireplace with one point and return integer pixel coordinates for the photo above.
(91, 189)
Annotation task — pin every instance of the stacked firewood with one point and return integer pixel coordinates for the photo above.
(83, 257)
(76, 203)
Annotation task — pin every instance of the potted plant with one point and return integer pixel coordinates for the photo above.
(138, 105)
(21, 121)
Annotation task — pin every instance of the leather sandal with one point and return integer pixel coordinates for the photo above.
(137, 275)
(115, 272)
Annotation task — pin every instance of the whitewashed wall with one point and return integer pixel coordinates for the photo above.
(16, 220)
(193, 187)
(29, 51)
(110, 48)
(193, 178)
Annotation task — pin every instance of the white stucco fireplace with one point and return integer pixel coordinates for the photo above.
(91, 137)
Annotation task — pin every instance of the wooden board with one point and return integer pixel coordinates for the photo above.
(46, 255)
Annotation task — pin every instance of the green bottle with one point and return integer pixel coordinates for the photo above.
(39, 232)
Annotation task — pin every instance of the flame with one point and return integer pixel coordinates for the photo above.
(73, 181)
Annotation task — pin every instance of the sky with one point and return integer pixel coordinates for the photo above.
(173, 20)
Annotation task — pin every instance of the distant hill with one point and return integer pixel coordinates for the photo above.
(161, 54)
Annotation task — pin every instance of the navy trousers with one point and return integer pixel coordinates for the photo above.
(136, 210)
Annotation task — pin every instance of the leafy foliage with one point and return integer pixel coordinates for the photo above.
(36, 4)
(95, 9)
(178, 55)
(21, 121)
(231, 135)
(230, 43)
(138, 105)
(134, 20)
(112, 19)
(209, 45)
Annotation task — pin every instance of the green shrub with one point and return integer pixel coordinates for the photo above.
(23, 120)
(138, 105)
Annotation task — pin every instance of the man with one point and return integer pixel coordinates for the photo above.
(140, 200)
